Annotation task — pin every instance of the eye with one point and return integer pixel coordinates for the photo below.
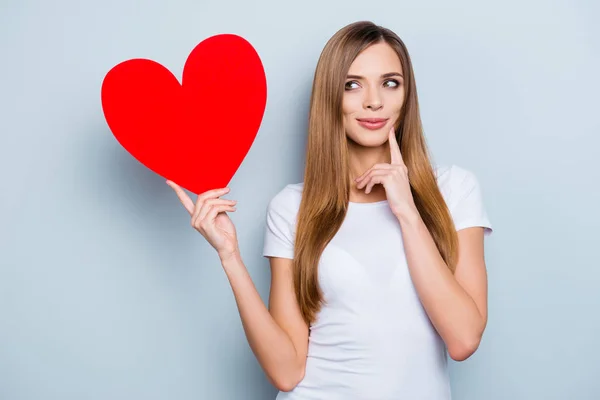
(396, 83)
(349, 83)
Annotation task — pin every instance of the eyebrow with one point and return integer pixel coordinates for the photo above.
(389, 74)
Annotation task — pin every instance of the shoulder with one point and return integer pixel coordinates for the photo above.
(287, 200)
(454, 181)
(281, 219)
(464, 198)
(452, 174)
(290, 194)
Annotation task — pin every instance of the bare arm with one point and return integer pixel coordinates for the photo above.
(279, 337)
(456, 304)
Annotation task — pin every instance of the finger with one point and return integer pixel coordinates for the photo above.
(210, 203)
(210, 194)
(372, 182)
(395, 153)
(202, 208)
(385, 168)
(376, 167)
(212, 214)
(213, 193)
(370, 178)
(183, 197)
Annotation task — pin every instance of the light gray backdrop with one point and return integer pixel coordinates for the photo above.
(106, 292)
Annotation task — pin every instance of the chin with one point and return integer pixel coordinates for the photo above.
(367, 141)
(367, 138)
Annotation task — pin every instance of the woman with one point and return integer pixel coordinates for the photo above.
(368, 291)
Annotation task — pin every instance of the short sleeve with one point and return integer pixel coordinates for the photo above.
(468, 209)
(280, 227)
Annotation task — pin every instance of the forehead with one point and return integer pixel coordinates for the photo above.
(375, 60)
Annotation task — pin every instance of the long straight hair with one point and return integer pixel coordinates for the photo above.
(326, 189)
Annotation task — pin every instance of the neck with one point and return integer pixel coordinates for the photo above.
(362, 158)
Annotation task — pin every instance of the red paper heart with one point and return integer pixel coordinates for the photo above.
(196, 133)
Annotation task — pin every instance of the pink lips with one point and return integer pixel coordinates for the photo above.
(372, 123)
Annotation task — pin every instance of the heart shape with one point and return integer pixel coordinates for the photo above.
(196, 133)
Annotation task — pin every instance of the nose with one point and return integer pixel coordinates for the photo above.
(373, 100)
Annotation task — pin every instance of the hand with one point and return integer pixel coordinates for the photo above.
(210, 219)
(393, 177)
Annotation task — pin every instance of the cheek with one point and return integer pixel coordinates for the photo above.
(396, 101)
(350, 105)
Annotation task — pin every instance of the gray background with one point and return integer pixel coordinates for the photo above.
(106, 292)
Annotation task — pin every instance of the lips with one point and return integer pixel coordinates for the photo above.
(372, 123)
(372, 120)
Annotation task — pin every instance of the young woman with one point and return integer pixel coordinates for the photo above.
(377, 257)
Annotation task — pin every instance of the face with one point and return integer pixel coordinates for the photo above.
(374, 89)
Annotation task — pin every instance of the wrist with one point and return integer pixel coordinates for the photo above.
(409, 217)
(230, 257)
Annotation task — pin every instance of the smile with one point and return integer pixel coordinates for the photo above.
(372, 123)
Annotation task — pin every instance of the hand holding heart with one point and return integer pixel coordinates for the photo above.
(209, 217)
(393, 177)
(176, 129)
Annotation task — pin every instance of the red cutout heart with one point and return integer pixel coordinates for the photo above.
(196, 133)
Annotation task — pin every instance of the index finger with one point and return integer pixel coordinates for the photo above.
(395, 153)
(183, 197)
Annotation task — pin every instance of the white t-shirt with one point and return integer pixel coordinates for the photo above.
(372, 339)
